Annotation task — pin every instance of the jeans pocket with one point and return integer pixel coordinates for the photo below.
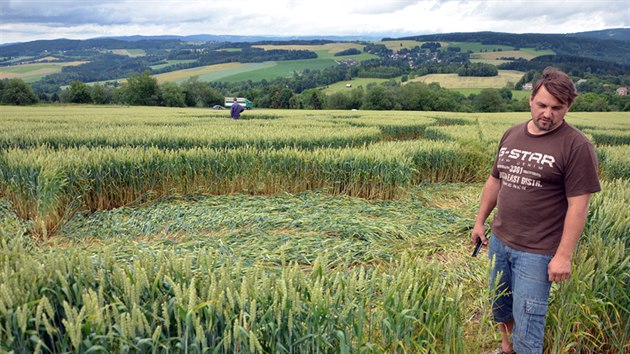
(535, 307)
(534, 323)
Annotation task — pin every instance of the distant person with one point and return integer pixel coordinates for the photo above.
(541, 182)
(236, 109)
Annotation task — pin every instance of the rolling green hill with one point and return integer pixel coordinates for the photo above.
(227, 63)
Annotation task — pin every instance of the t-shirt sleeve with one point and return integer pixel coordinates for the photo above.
(495, 171)
(581, 175)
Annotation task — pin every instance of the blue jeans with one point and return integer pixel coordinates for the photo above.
(521, 286)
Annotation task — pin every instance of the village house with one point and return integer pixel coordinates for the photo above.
(622, 91)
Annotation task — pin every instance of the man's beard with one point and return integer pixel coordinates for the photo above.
(546, 126)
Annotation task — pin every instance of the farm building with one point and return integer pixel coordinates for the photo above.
(247, 104)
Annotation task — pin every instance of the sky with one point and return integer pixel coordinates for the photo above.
(28, 20)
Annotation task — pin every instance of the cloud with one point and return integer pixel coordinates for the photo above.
(46, 19)
(377, 7)
(548, 16)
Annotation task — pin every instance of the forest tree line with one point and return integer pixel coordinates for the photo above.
(392, 95)
(596, 77)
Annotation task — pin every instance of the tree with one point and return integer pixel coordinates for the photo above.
(213, 97)
(506, 94)
(488, 100)
(314, 99)
(280, 97)
(142, 90)
(379, 97)
(338, 100)
(102, 94)
(195, 92)
(296, 102)
(478, 69)
(78, 92)
(356, 98)
(590, 102)
(172, 95)
(16, 91)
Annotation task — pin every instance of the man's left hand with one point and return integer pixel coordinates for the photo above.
(559, 268)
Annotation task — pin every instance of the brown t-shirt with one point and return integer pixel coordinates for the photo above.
(538, 173)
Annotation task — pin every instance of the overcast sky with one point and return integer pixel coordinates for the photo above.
(26, 20)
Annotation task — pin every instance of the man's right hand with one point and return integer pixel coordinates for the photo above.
(479, 233)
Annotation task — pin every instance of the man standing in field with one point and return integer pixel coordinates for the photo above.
(541, 182)
(236, 109)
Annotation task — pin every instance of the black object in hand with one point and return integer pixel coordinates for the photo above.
(477, 248)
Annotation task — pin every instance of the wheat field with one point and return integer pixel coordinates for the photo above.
(145, 229)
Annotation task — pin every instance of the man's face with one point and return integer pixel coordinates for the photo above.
(547, 111)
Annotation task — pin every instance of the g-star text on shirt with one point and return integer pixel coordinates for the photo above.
(527, 156)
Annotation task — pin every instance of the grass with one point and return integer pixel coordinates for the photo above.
(170, 63)
(341, 86)
(213, 72)
(478, 47)
(305, 271)
(33, 72)
(397, 45)
(516, 94)
(324, 51)
(130, 52)
(270, 261)
(527, 54)
(453, 81)
(234, 72)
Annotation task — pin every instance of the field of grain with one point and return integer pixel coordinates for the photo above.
(234, 72)
(330, 48)
(35, 71)
(356, 82)
(152, 229)
(401, 44)
(453, 81)
(213, 72)
(283, 68)
(133, 53)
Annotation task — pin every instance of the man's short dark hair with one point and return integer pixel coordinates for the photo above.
(558, 84)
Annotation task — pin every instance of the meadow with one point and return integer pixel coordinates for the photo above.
(235, 72)
(151, 229)
(453, 81)
(34, 71)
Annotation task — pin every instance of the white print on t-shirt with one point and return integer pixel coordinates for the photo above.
(513, 181)
(528, 156)
(518, 169)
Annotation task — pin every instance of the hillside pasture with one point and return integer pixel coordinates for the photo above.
(397, 45)
(284, 68)
(516, 94)
(498, 57)
(476, 47)
(213, 72)
(171, 63)
(35, 71)
(325, 51)
(133, 53)
(330, 48)
(234, 72)
(453, 81)
(356, 82)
